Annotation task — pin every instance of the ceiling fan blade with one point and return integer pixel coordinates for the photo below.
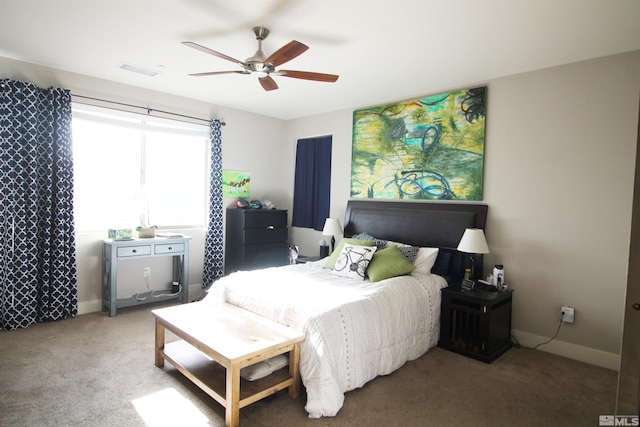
(213, 52)
(307, 75)
(215, 73)
(286, 53)
(268, 83)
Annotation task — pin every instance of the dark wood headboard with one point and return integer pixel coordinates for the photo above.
(425, 224)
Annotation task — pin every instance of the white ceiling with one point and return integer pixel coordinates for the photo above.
(383, 50)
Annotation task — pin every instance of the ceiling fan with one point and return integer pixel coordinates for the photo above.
(264, 67)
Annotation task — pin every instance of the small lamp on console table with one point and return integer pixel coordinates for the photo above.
(473, 242)
(332, 228)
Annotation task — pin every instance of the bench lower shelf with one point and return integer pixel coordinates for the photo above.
(210, 376)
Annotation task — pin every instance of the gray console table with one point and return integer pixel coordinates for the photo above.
(114, 251)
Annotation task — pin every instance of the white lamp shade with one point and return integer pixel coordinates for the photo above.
(332, 227)
(473, 242)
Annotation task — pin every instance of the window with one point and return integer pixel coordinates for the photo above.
(132, 169)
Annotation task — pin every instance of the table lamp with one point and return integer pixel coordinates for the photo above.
(473, 242)
(332, 228)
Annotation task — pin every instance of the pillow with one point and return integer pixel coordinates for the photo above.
(331, 260)
(388, 262)
(441, 266)
(399, 244)
(380, 243)
(353, 261)
(425, 259)
(264, 368)
(409, 252)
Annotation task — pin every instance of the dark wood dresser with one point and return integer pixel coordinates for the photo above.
(255, 238)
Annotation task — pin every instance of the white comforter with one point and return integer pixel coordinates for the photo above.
(355, 330)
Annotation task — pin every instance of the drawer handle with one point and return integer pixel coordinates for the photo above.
(270, 227)
(134, 251)
(170, 248)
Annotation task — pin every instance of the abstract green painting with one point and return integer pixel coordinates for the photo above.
(427, 148)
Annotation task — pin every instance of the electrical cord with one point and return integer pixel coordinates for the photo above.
(518, 345)
(164, 293)
(156, 294)
(153, 293)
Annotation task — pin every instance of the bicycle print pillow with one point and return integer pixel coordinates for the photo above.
(353, 261)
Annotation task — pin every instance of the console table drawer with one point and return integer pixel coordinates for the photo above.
(170, 248)
(130, 251)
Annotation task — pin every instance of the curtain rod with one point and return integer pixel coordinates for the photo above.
(149, 110)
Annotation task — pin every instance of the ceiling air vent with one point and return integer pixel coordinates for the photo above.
(138, 69)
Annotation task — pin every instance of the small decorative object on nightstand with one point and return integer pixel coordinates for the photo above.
(476, 323)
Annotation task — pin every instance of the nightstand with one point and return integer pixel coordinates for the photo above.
(476, 323)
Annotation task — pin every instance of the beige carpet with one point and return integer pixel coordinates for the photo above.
(98, 371)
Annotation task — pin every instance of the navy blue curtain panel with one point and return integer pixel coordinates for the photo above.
(37, 236)
(312, 189)
(213, 251)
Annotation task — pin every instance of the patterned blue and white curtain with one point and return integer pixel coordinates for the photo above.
(213, 251)
(37, 239)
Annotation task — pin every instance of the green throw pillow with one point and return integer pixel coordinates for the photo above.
(388, 262)
(331, 260)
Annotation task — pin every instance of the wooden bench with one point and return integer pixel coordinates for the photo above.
(217, 340)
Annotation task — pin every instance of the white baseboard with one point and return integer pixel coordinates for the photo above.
(85, 307)
(572, 351)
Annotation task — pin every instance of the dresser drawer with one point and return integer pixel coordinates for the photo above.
(131, 251)
(264, 219)
(267, 255)
(265, 235)
(170, 248)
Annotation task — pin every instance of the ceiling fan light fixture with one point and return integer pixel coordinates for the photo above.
(259, 73)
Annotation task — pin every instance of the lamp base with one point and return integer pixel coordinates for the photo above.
(472, 260)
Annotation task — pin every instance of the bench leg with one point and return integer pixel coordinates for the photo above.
(159, 343)
(294, 370)
(232, 406)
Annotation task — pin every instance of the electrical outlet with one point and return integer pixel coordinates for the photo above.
(147, 272)
(567, 313)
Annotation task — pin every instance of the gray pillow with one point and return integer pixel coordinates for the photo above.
(380, 243)
(409, 252)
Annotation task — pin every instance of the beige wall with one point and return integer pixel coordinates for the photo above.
(560, 150)
(558, 181)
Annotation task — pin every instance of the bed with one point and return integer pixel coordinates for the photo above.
(357, 329)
